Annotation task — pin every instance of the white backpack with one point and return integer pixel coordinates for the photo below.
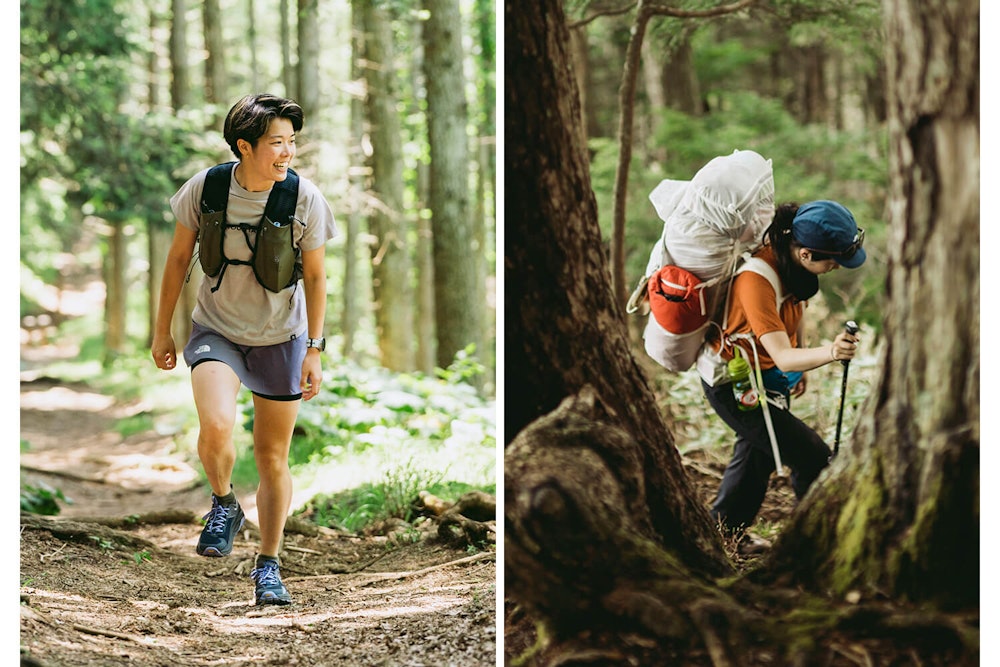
(711, 224)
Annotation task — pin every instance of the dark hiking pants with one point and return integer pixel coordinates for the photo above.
(746, 478)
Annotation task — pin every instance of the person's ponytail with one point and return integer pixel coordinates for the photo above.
(778, 235)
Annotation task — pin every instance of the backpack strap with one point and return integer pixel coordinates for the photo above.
(215, 193)
(762, 268)
(280, 207)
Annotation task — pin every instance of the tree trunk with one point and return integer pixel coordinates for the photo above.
(351, 312)
(115, 310)
(563, 329)
(458, 315)
(391, 263)
(180, 98)
(158, 233)
(901, 515)
(215, 60)
(605, 544)
(308, 70)
(252, 43)
(287, 68)
(680, 81)
(426, 343)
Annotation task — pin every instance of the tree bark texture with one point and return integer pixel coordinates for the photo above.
(391, 264)
(308, 69)
(215, 50)
(458, 315)
(563, 329)
(901, 513)
(180, 98)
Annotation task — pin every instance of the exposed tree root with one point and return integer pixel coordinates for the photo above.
(84, 532)
(471, 520)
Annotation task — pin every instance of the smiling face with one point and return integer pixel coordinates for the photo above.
(267, 162)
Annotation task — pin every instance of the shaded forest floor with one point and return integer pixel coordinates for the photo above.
(114, 579)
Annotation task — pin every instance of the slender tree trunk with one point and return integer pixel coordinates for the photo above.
(180, 94)
(308, 70)
(287, 67)
(252, 43)
(426, 341)
(158, 232)
(682, 89)
(391, 263)
(458, 316)
(115, 296)
(351, 312)
(215, 61)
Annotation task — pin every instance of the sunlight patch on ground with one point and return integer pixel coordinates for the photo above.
(61, 398)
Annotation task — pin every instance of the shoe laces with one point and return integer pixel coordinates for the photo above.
(266, 574)
(215, 520)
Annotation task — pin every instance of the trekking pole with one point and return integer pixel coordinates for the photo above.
(852, 328)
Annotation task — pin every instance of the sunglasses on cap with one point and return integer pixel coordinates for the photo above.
(856, 244)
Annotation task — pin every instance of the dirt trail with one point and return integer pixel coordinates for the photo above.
(98, 588)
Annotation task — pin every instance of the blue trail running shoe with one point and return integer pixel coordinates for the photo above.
(268, 586)
(221, 525)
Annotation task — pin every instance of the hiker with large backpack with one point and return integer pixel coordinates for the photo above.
(260, 230)
(802, 243)
(730, 277)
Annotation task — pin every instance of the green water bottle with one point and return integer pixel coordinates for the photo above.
(739, 373)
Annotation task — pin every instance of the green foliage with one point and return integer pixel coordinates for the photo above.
(141, 557)
(465, 368)
(41, 499)
(391, 497)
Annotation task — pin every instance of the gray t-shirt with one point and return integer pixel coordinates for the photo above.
(242, 310)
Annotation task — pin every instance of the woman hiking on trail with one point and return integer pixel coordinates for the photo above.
(800, 244)
(258, 320)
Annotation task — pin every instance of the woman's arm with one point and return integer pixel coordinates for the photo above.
(788, 358)
(314, 283)
(178, 258)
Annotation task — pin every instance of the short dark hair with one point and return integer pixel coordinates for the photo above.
(252, 115)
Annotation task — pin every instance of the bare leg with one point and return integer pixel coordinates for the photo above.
(272, 436)
(215, 388)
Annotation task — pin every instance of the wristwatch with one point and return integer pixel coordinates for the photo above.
(318, 343)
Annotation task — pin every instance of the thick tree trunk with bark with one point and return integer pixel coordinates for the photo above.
(605, 544)
(901, 514)
(563, 329)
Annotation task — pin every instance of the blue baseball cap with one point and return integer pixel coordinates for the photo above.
(829, 228)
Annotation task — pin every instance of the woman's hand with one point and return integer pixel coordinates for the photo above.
(163, 351)
(844, 347)
(798, 388)
(312, 374)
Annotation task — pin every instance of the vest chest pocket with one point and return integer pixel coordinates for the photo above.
(211, 234)
(274, 258)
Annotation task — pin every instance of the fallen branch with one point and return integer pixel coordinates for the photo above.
(63, 473)
(388, 576)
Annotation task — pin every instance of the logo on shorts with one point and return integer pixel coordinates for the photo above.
(203, 349)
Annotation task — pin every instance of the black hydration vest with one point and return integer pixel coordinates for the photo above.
(276, 262)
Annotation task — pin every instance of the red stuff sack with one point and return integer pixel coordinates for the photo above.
(677, 299)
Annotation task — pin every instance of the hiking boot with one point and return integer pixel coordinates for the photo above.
(752, 545)
(268, 586)
(221, 525)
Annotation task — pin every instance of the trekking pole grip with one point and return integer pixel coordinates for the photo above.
(852, 328)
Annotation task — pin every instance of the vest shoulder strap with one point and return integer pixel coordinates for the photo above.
(280, 207)
(215, 194)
